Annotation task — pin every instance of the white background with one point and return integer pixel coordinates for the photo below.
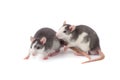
(20, 19)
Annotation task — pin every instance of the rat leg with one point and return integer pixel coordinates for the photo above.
(30, 52)
(45, 56)
(34, 54)
(27, 57)
(85, 54)
(50, 54)
(76, 51)
(54, 53)
(80, 52)
(65, 48)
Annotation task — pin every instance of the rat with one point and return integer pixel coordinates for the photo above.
(45, 42)
(82, 39)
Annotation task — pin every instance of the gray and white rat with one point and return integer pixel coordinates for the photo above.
(81, 39)
(45, 42)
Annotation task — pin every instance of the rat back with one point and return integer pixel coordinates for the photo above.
(52, 42)
(92, 36)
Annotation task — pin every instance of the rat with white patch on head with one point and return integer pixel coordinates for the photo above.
(82, 39)
(45, 42)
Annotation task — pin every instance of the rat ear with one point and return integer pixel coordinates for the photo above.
(72, 28)
(64, 22)
(43, 40)
(32, 38)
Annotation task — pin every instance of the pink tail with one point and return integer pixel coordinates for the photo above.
(102, 56)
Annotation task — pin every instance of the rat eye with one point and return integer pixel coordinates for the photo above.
(64, 31)
(38, 47)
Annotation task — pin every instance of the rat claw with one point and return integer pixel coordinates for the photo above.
(26, 58)
(53, 54)
(50, 54)
(45, 58)
(34, 54)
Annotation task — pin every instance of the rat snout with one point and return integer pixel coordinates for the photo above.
(34, 54)
(57, 34)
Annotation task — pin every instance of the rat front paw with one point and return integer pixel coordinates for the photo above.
(26, 58)
(65, 48)
(45, 58)
(34, 54)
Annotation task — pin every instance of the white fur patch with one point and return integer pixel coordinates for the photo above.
(37, 51)
(41, 51)
(61, 35)
(80, 43)
(56, 44)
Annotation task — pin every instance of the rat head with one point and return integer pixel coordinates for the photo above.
(65, 31)
(37, 45)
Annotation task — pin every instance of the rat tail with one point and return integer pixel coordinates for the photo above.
(102, 56)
